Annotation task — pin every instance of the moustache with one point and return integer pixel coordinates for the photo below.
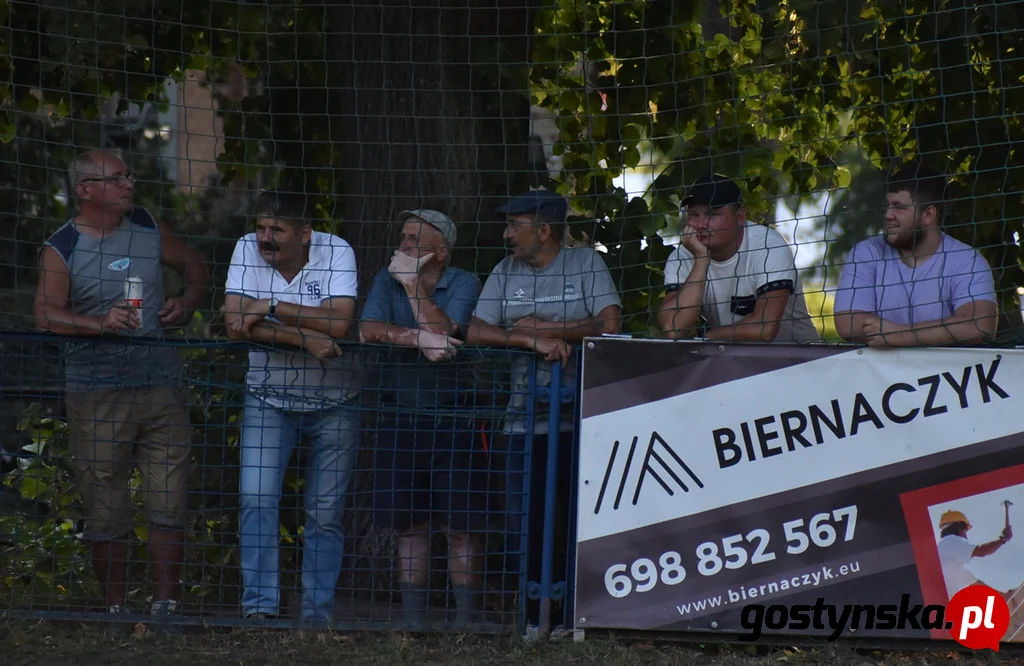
(268, 246)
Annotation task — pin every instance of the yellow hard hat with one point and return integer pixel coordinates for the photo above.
(951, 517)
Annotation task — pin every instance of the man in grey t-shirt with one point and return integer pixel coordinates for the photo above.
(125, 402)
(543, 298)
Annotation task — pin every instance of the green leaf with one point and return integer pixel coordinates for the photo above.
(29, 104)
(33, 488)
(138, 42)
(8, 131)
(843, 177)
(569, 101)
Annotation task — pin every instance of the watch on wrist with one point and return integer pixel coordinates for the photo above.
(273, 307)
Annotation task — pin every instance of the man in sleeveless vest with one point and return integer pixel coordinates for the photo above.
(126, 403)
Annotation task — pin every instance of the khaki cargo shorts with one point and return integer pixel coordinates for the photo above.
(110, 431)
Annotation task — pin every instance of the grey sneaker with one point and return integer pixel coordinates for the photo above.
(116, 625)
(162, 611)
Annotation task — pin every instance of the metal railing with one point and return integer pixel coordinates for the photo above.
(44, 559)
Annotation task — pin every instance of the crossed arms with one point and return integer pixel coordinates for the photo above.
(550, 339)
(971, 322)
(311, 328)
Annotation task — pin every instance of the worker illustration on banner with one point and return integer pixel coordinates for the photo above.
(968, 539)
(956, 551)
(973, 541)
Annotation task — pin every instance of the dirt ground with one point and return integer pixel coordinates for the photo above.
(80, 644)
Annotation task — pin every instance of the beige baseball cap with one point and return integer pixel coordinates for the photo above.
(436, 219)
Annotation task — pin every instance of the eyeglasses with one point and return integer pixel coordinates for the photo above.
(119, 180)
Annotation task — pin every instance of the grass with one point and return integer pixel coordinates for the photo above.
(45, 643)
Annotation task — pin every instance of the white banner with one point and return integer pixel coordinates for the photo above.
(788, 428)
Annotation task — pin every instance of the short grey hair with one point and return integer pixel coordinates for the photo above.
(84, 164)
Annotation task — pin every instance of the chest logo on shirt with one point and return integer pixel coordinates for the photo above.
(313, 288)
(519, 293)
(120, 264)
(570, 290)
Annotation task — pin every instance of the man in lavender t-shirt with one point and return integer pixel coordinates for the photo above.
(915, 286)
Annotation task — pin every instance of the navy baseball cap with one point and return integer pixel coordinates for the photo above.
(544, 202)
(714, 190)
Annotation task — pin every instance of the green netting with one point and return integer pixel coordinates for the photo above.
(373, 108)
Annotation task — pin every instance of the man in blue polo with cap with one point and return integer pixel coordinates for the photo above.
(545, 298)
(739, 275)
(425, 466)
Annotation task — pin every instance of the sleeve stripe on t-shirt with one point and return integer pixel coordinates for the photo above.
(775, 285)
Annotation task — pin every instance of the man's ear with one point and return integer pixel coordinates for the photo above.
(544, 232)
(307, 233)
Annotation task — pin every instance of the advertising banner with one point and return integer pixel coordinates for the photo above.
(713, 477)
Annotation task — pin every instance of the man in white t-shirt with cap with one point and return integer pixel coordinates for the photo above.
(739, 275)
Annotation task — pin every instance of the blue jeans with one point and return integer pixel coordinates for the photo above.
(269, 435)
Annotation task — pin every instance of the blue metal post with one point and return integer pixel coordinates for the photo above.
(550, 495)
(522, 556)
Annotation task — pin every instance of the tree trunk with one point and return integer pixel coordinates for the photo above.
(417, 123)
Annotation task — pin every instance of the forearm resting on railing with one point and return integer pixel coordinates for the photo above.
(574, 330)
(941, 331)
(331, 322)
(680, 310)
(745, 330)
(276, 335)
(678, 321)
(388, 334)
(850, 325)
(484, 334)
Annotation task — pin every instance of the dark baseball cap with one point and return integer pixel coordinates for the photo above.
(544, 202)
(714, 190)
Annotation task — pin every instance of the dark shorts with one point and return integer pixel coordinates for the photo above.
(426, 468)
